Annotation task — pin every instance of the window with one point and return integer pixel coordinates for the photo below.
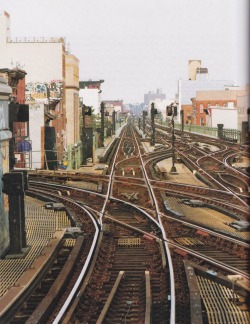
(208, 105)
(201, 108)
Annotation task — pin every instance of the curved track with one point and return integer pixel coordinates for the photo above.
(144, 236)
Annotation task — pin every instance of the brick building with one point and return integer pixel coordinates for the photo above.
(208, 104)
(198, 81)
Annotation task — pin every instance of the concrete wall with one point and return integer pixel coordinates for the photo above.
(243, 110)
(36, 115)
(227, 117)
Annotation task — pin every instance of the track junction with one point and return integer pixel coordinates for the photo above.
(142, 246)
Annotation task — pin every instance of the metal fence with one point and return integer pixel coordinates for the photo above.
(233, 135)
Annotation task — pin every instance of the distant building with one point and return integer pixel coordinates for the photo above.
(52, 91)
(71, 100)
(161, 106)
(90, 94)
(198, 81)
(243, 105)
(217, 107)
(117, 106)
(152, 96)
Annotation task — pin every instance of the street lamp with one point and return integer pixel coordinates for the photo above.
(172, 112)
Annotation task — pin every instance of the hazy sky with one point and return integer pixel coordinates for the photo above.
(138, 46)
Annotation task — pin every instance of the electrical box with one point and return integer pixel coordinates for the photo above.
(13, 183)
(25, 178)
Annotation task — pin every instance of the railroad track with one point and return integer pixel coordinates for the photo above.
(140, 264)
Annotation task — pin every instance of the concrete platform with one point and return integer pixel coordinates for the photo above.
(95, 166)
(182, 175)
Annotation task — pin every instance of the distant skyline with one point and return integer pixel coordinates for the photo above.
(138, 46)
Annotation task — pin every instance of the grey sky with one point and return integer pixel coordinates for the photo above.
(138, 46)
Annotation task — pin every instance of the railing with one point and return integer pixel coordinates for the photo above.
(210, 131)
(36, 40)
(227, 133)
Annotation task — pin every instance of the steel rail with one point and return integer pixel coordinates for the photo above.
(138, 207)
(214, 180)
(232, 168)
(209, 231)
(213, 261)
(83, 271)
(82, 274)
(227, 189)
(110, 184)
(171, 269)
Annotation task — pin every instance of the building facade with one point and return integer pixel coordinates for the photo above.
(50, 67)
(5, 136)
(198, 81)
(72, 99)
(90, 94)
(217, 106)
(152, 96)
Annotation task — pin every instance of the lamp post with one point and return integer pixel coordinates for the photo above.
(172, 111)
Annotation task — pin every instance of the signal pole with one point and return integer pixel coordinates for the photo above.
(172, 111)
(84, 144)
(102, 125)
(152, 137)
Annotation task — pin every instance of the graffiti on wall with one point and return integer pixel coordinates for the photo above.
(37, 91)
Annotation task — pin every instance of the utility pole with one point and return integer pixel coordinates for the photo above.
(102, 125)
(171, 112)
(152, 137)
(114, 120)
(182, 120)
(84, 144)
(144, 114)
